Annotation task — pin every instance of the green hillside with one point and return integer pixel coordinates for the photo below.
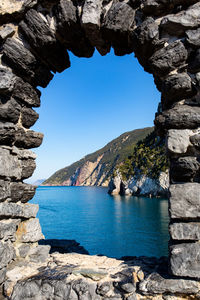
(113, 153)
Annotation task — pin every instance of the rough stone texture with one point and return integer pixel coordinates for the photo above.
(184, 201)
(39, 253)
(8, 229)
(9, 109)
(185, 231)
(178, 140)
(10, 165)
(4, 190)
(28, 167)
(28, 139)
(184, 260)
(193, 37)
(29, 231)
(7, 80)
(14, 210)
(7, 253)
(7, 133)
(185, 169)
(21, 192)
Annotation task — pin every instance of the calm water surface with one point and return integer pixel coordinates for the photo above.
(112, 225)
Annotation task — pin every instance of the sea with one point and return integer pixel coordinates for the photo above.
(114, 226)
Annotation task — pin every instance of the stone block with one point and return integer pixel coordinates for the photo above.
(2, 275)
(184, 169)
(28, 139)
(7, 253)
(24, 92)
(156, 284)
(193, 37)
(42, 39)
(14, 210)
(194, 62)
(9, 109)
(185, 231)
(8, 229)
(7, 79)
(178, 140)
(184, 201)
(4, 190)
(23, 250)
(10, 165)
(28, 117)
(25, 64)
(169, 58)
(7, 133)
(185, 260)
(22, 192)
(5, 32)
(28, 167)
(29, 231)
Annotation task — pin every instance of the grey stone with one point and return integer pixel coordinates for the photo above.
(7, 133)
(39, 254)
(184, 169)
(28, 139)
(22, 192)
(69, 30)
(185, 260)
(169, 58)
(29, 231)
(23, 250)
(28, 167)
(5, 32)
(194, 62)
(24, 92)
(128, 287)
(26, 290)
(156, 284)
(18, 210)
(195, 140)
(117, 24)
(179, 117)
(4, 190)
(28, 117)
(132, 297)
(7, 80)
(182, 21)
(90, 273)
(42, 39)
(103, 288)
(2, 275)
(178, 140)
(193, 37)
(7, 253)
(8, 229)
(176, 87)
(23, 153)
(184, 200)
(10, 165)
(25, 64)
(185, 231)
(9, 109)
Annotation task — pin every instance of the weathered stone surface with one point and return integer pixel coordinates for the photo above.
(23, 250)
(178, 140)
(2, 275)
(7, 80)
(23, 153)
(28, 117)
(18, 210)
(194, 62)
(4, 190)
(5, 32)
(9, 109)
(28, 167)
(24, 92)
(103, 288)
(195, 140)
(185, 231)
(117, 24)
(7, 253)
(7, 133)
(29, 231)
(176, 87)
(25, 64)
(182, 21)
(21, 192)
(64, 246)
(156, 284)
(39, 253)
(169, 58)
(184, 260)
(179, 117)
(28, 139)
(184, 200)
(8, 229)
(193, 37)
(42, 39)
(69, 30)
(184, 169)
(90, 21)
(10, 166)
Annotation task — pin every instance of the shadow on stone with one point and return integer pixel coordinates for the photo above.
(64, 246)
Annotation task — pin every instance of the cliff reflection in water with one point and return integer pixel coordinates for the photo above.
(112, 225)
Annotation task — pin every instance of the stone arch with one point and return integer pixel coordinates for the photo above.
(165, 37)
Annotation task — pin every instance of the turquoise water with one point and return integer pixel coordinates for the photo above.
(103, 224)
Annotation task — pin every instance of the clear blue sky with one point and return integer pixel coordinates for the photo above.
(90, 104)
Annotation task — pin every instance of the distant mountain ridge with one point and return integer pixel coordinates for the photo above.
(97, 168)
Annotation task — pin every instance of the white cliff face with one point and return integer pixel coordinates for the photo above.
(140, 185)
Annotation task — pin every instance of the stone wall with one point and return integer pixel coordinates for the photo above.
(34, 39)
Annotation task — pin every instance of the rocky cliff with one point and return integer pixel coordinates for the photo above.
(145, 172)
(96, 169)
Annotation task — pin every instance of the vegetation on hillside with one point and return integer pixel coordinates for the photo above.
(148, 157)
(114, 153)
